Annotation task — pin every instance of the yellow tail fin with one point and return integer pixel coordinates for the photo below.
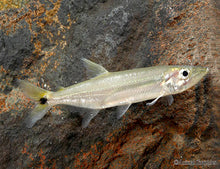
(40, 96)
(32, 91)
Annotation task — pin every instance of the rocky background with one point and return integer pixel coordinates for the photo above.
(43, 42)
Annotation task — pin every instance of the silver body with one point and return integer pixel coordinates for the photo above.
(109, 89)
(114, 89)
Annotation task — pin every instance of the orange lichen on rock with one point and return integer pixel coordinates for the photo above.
(15, 100)
(2, 104)
(50, 17)
(9, 4)
(123, 149)
(25, 150)
(42, 160)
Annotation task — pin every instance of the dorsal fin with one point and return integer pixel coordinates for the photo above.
(60, 88)
(93, 69)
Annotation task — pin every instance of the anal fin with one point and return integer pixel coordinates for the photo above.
(121, 110)
(88, 116)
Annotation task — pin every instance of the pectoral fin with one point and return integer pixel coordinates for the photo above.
(121, 110)
(154, 101)
(88, 116)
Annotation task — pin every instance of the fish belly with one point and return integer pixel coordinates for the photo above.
(133, 95)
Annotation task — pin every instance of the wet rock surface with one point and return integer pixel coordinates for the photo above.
(44, 41)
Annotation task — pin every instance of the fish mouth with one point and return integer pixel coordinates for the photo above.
(198, 74)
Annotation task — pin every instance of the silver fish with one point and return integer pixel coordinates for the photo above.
(109, 89)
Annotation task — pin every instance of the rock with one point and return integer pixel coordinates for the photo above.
(44, 41)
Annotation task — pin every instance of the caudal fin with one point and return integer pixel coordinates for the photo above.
(40, 96)
(37, 113)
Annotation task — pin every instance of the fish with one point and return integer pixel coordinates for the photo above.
(114, 89)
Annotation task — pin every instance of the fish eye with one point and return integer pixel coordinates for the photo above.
(184, 73)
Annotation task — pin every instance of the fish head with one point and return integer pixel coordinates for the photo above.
(180, 78)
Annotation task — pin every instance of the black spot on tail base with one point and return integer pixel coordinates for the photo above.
(43, 100)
